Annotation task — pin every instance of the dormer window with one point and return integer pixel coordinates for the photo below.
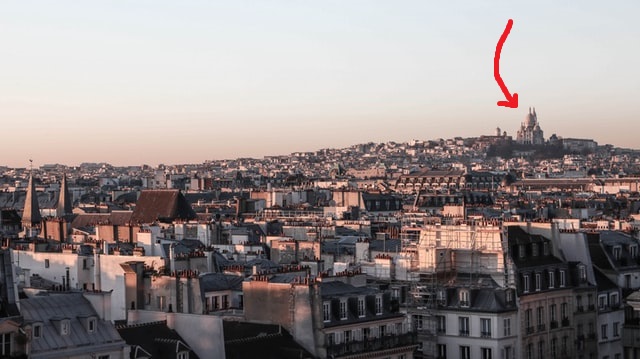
(464, 298)
(343, 309)
(37, 330)
(583, 272)
(91, 325)
(545, 248)
(525, 283)
(534, 249)
(552, 279)
(614, 299)
(633, 251)
(360, 307)
(538, 282)
(378, 305)
(562, 279)
(617, 251)
(441, 297)
(65, 327)
(521, 251)
(509, 296)
(326, 311)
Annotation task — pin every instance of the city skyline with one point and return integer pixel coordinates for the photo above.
(164, 83)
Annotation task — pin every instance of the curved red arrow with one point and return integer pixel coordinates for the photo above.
(512, 101)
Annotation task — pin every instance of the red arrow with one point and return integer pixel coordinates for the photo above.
(512, 101)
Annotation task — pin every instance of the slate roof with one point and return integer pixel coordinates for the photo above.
(266, 341)
(117, 218)
(215, 282)
(155, 338)
(72, 306)
(162, 205)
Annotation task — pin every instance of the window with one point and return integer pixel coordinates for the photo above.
(525, 283)
(540, 318)
(46, 263)
(554, 347)
(378, 305)
(529, 351)
(183, 355)
(6, 344)
(485, 353)
(614, 299)
(534, 249)
(563, 345)
(616, 329)
(485, 327)
(441, 326)
(521, 251)
(562, 279)
(527, 320)
(91, 325)
(37, 330)
(541, 349)
(465, 352)
(509, 295)
(360, 307)
(508, 352)
(564, 311)
(538, 282)
(343, 310)
(579, 306)
(552, 279)
(326, 311)
(347, 336)
(583, 272)
(442, 351)
(545, 248)
(616, 252)
(64, 327)
(464, 298)
(552, 313)
(633, 251)
(603, 331)
(107, 357)
(602, 301)
(463, 324)
(507, 326)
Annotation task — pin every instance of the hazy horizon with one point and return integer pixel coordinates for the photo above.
(151, 82)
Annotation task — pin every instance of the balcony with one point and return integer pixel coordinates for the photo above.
(592, 307)
(580, 309)
(554, 324)
(485, 334)
(464, 333)
(541, 327)
(530, 330)
(565, 322)
(372, 344)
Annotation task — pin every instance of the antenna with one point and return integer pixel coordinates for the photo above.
(30, 165)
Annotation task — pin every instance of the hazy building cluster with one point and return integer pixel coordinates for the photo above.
(426, 249)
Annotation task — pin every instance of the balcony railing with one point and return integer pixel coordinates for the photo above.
(485, 334)
(541, 327)
(554, 324)
(565, 322)
(592, 307)
(464, 333)
(372, 344)
(530, 330)
(580, 309)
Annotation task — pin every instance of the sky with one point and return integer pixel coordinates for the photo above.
(157, 81)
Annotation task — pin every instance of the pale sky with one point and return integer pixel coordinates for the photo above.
(133, 82)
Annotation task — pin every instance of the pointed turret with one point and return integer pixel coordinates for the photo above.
(31, 213)
(64, 207)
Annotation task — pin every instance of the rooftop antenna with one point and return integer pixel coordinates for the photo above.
(30, 165)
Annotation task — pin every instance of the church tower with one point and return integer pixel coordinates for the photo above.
(65, 206)
(31, 217)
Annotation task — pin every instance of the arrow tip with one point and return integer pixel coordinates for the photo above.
(512, 101)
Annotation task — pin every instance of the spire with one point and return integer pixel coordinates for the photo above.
(64, 207)
(31, 213)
